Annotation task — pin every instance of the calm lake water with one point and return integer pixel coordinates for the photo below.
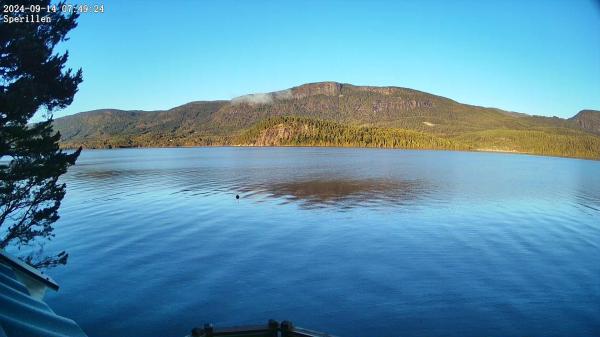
(354, 242)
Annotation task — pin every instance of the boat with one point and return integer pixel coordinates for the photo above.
(23, 312)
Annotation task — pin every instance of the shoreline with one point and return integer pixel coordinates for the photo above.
(482, 150)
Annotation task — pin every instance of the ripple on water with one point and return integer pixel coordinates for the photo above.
(348, 241)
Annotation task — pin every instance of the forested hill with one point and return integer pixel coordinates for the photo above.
(354, 116)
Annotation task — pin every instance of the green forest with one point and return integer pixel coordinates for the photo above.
(336, 114)
(299, 131)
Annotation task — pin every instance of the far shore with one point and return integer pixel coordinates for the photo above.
(481, 150)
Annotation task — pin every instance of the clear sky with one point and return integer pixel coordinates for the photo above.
(537, 57)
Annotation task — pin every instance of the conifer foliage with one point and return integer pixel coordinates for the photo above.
(33, 80)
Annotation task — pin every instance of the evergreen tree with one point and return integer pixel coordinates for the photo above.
(33, 80)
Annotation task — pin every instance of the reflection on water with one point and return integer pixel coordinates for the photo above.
(355, 242)
(344, 193)
(321, 192)
(101, 175)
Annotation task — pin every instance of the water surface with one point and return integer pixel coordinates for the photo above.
(354, 242)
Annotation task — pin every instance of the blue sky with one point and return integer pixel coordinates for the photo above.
(537, 57)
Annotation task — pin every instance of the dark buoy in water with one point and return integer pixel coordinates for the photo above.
(237, 196)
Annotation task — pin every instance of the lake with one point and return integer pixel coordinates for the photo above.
(353, 242)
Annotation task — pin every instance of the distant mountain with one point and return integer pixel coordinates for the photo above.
(354, 115)
(588, 120)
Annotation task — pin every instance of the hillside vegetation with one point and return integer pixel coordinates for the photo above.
(334, 114)
(550, 143)
(296, 131)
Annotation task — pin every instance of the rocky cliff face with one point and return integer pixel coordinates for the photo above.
(278, 134)
(342, 103)
(588, 120)
(313, 89)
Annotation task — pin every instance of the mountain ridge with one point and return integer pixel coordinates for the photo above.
(223, 122)
(588, 120)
